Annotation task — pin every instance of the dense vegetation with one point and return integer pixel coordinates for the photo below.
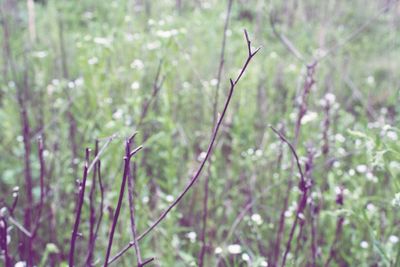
(305, 166)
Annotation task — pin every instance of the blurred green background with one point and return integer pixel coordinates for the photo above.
(86, 70)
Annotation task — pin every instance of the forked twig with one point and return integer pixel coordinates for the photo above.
(127, 158)
(195, 177)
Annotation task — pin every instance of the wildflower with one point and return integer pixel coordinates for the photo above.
(202, 156)
(245, 257)
(396, 200)
(364, 244)
(256, 218)
(309, 116)
(218, 250)
(361, 168)
(370, 80)
(392, 135)
(234, 249)
(169, 198)
(191, 236)
(393, 239)
(40, 54)
(264, 263)
(135, 85)
(137, 64)
(340, 138)
(145, 199)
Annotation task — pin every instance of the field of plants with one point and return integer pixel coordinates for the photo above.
(200, 133)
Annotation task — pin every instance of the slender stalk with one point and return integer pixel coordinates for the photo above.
(339, 229)
(196, 176)
(215, 117)
(127, 158)
(304, 185)
(92, 216)
(79, 210)
(3, 242)
(131, 184)
(308, 83)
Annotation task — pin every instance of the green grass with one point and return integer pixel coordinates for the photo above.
(105, 72)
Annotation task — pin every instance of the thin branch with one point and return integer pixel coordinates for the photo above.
(157, 85)
(82, 187)
(208, 153)
(215, 117)
(131, 192)
(3, 242)
(283, 138)
(92, 216)
(302, 202)
(127, 158)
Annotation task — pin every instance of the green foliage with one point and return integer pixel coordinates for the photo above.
(91, 70)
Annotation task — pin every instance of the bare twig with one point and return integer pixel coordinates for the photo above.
(3, 241)
(215, 117)
(92, 216)
(157, 85)
(195, 177)
(131, 192)
(339, 228)
(127, 158)
(304, 185)
(82, 187)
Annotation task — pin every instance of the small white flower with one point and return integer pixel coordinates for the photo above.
(370, 80)
(40, 54)
(137, 64)
(245, 257)
(371, 207)
(361, 168)
(135, 85)
(396, 200)
(234, 249)
(118, 114)
(393, 239)
(218, 250)
(256, 218)
(20, 264)
(202, 156)
(79, 81)
(364, 244)
(392, 135)
(169, 198)
(352, 172)
(309, 116)
(102, 41)
(330, 98)
(145, 199)
(340, 138)
(264, 263)
(214, 82)
(192, 236)
(259, 152)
